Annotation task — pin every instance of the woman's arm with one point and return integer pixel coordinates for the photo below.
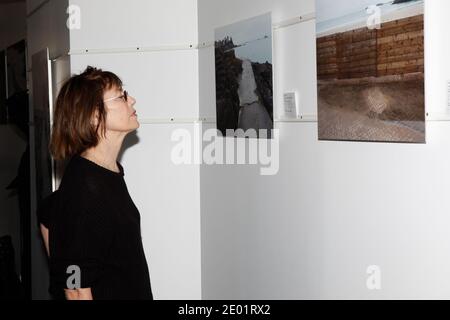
(79, 294)
(44, 232)
(84, 241)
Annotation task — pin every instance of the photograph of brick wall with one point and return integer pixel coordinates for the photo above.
(371, 80)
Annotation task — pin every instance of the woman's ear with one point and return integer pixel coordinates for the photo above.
(95, 118)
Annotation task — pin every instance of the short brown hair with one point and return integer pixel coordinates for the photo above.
(78, 100)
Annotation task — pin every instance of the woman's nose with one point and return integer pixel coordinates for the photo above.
(132, 100)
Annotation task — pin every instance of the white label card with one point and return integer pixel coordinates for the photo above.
(448, 95)
(290, 105)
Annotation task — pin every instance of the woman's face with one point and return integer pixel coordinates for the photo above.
(120, 113)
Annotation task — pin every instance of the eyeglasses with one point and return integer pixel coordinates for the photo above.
(124, 97)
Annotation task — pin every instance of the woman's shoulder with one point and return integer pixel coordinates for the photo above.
(82, 193)
(79, 176)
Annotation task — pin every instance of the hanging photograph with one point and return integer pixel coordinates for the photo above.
(42, 111)
(370, 70)
(244, 85)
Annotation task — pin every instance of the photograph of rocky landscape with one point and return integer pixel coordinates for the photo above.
(371, 77)
(244, 85)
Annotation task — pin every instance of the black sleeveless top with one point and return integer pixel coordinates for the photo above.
(94, 226)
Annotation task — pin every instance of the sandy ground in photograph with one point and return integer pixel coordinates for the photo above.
(376, 109)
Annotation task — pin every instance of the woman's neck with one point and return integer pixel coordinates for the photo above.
(105, 153)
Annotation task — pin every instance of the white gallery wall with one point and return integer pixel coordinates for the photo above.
(163, 76)
(335, 208)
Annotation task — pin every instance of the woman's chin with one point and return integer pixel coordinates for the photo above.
(136, 123)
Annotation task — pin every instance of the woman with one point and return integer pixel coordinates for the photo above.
(90, 225)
